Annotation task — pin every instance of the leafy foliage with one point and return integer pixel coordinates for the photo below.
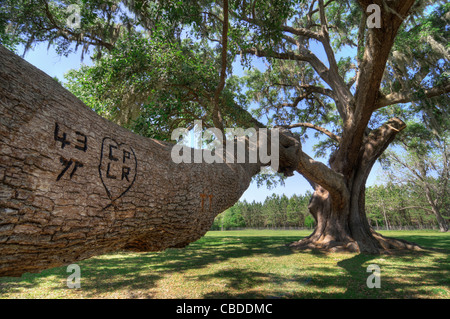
(149, 85)
(168, 55)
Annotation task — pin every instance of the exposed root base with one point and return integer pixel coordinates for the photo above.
(332, 247)
(383, 245)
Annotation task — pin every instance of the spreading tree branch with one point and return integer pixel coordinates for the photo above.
(325, 39)
(317, 173)
(315, 127)
(308, 90)
(217, 117)
(69, 35)
(394, 98)
(417, 207)
(305, 56)
(303, 32)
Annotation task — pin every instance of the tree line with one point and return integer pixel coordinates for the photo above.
(275, 212)
(388, 206)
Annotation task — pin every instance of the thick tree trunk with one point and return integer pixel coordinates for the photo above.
(443, 227)
(343, 225)
(346, 229)
(74, 185)
(339, 211)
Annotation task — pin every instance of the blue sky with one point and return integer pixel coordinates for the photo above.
(54, 65)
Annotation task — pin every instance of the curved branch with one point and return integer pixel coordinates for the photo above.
(303, 32)
(296, 101)
(319, 173)
(395, 98)
(380, 138)
(341, 94)
(417, 207)
(315, 127)
(377, 142)
(325, 39)
(72, 36)
(308, 90)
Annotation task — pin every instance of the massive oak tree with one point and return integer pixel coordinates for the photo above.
(75, 185)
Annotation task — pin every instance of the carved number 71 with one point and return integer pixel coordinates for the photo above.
(67, 164)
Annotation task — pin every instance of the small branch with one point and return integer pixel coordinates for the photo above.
(309, 89)
(407, 167)
(325, 39)
(311, 12)
(320, 90)
(394, 98)
(340, 93)
(315, 127)
(306, 56)
(212, 15)
(277, 55)
(297, 100)
(303, 32)
(416, 207)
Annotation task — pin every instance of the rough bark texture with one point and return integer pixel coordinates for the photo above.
(74, 185)
(339, 208)
(342, 225)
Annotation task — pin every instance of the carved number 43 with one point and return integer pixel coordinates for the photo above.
(80, 144)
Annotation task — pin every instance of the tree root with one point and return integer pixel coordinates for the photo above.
(384, 245)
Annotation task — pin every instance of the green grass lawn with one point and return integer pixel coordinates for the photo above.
(249, 264)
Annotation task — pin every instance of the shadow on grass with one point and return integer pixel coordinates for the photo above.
(413, 281)
(125, 270)
(436, 242)
(408, 274)
(134, 271)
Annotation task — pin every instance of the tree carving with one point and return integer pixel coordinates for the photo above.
(74, 185)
